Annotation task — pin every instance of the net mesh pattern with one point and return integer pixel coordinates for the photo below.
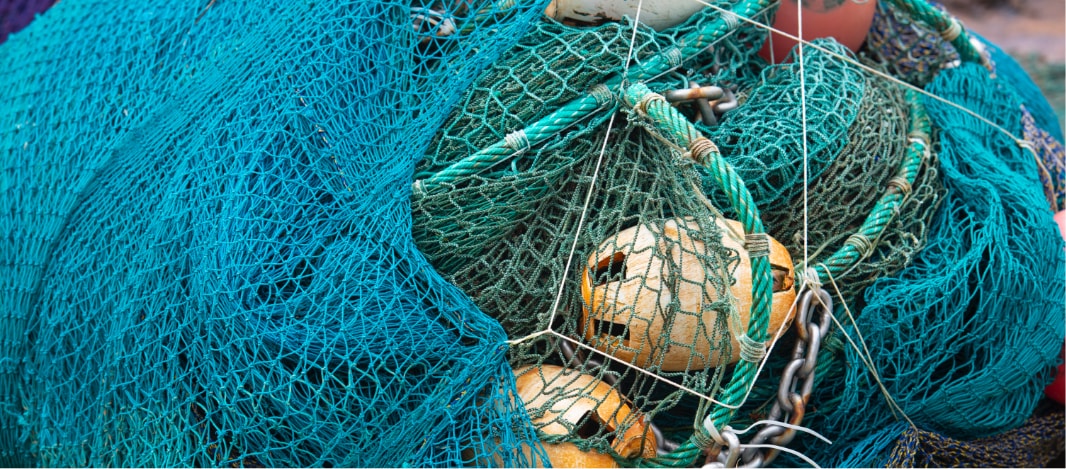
(212, 261)
(875, 145)
(986, 246)
(232, 244)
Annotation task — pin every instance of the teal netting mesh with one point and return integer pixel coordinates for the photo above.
(276, 233)
(207, 250)
(973, 334)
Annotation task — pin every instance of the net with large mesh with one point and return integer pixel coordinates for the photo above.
(498, 233)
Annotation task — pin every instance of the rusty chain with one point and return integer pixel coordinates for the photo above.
(794, 391)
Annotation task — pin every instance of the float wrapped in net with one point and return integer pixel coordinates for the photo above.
(464, 233)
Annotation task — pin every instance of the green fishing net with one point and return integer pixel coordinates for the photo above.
(461, 233)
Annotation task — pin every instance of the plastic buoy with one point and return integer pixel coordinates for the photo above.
(847, 21)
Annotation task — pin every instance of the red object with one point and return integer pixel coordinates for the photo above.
(847, 21)
(1057, 389)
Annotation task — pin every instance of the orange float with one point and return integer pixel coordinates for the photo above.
(635, 312)
(566, 401)
(847, 21)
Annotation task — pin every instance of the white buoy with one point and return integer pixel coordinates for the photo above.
(657, 14)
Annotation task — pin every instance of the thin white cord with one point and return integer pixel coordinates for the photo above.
(783, 424)
(580, 225)
(595, 176)
(867, 357)
(803, 125)
(638, 369)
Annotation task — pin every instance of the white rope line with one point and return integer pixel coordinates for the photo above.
(864, 354)
(871, 70)
(592, 189)
(783, 424)
(638, 369)
(803, 126)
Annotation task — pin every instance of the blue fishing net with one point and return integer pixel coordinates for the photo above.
(233, 236)
(208, 256)
(974, 322)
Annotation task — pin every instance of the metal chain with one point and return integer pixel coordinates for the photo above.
(794, 391)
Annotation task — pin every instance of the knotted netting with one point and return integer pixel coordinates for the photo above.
(466, 233)
(209, 259)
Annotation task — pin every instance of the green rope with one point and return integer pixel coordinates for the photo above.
(668, 120)
(862, 243)
(687, 46)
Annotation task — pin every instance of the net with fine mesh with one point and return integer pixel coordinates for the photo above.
(497, 233)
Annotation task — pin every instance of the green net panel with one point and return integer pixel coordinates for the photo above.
(461, 233)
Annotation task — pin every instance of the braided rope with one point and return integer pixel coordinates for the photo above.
(676, 128)
(887, 208)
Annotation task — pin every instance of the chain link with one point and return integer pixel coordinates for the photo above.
(794, 391)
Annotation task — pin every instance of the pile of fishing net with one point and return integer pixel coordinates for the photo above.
(466, 233)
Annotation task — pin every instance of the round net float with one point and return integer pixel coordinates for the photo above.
(847, 21)
(569, 403)
(640, 311)
(657, 14)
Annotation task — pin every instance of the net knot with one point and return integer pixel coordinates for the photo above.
(811, 278)
(700, 148)
(953, 31)
(730, 19)
(707, 435)
(751, 350)
(861, 243)
(757, 244)
(517, 140)
(902, 185)
(602, 94)
(674, 56)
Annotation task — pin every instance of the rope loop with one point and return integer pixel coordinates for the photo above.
(730, 19)
(901, 184)
(918, 135)
(954, 30)
(602, 94)
(757, 244)
(700, 148)
(861, 243)
(517, 140)
(707, 435)
(703, 439)
(642, 106)
(673, 56)
(751, 350)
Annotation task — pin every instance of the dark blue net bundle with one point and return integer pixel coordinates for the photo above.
(207, 256)
(16, 14)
